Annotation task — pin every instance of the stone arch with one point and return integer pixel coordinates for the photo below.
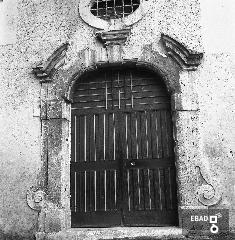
(172, 86)
(165, 67)
(58, 75)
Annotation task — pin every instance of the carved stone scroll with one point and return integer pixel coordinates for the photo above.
(45, 69)
(35, 198)
(187, 59)
(208, 195)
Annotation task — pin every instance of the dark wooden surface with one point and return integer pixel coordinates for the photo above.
(122, 159)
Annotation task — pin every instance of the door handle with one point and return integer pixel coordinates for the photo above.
(133, 163)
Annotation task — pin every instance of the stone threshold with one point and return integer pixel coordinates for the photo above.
(116, 233)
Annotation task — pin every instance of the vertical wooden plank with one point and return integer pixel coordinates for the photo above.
(105, 127)
(122, 158)
(125, 150)
(78, 190)
(123, 154)
(125, 80)
(105, 190)
(125, 191)
(128, 191)
(107, 130)
(128, 127)
(101, 137)
(131, 188)
(109, 89)
(99, 132)
(157, 190)
(164, 135)
(98, 195)
(120, 88)
(112, 189)
(108, 190)
(78, 140)
(132, 91)
(133, 136)
(135, 188)
(159, 134)
(92, 192)
(138, 132)
(173, 187)
(100, 191)
(81, 144)
(116, 144)
(143, 148)
(167, 188)
(162, 187)
(150, 129)
(73, 138)
(170, 134)
(88, 137)
(72, 190)
(118, 199)
(82, 191)
(92, 138)
(112, 89)
(146, 189)
(88, 191)
(110, 134)
(141, 189)
(97, 139)
(153, 133)
(152, 190)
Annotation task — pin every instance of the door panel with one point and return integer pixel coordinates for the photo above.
(122, 166)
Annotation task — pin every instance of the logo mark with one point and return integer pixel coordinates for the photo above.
(214, 220)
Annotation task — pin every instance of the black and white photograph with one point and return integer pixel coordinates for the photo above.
(117, 119)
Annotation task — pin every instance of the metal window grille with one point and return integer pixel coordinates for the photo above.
(111, 9)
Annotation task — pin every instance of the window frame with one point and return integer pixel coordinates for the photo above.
(112, 24)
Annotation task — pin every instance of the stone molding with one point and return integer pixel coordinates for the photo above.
(113, 37)
(186, 58)
(149, 59)
(55, 117)
(44, 69)
(114, 24)
(35, 198)
(208, 194)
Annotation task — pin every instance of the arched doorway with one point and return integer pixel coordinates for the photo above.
(122, 161)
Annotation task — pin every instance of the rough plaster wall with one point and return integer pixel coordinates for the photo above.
(41, 27)
(8, 19)
(165, 16)
(216, 89)
(20, 142)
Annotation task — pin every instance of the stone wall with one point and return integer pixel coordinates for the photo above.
(41, 27)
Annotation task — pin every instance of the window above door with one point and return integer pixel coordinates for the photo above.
(113, 9)
(112, 14)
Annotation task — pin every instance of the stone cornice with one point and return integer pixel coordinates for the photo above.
(186, 58)
(44, 69)
(113, 37)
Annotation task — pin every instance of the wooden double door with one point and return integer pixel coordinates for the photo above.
(122, 162)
